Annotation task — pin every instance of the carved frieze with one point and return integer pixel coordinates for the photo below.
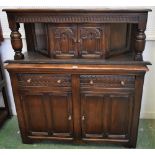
(76, 18)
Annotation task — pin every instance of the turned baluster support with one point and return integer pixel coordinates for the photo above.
(16, 42)
(140, 38)
(140, 44)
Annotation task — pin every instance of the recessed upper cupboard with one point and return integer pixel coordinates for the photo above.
(79, 40)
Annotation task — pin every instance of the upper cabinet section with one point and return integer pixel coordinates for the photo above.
(79, 33)
(79, 40)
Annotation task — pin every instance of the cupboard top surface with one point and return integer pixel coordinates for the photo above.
(69, 10)
(36, 58)
(76, 68)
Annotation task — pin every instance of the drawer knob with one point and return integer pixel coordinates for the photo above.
(70, 117)
(91, 82)
(83, 118)
(29, 80)
(122, 83)
(74, 67)
(79, 41)
(59, 81)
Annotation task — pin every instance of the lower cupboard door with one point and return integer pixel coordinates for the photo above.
(48, 115)
(119, 118)
(106, 116)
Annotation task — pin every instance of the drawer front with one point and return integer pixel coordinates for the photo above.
(106, 81)
(44, 80)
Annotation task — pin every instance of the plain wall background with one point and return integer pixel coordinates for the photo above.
(148, 100)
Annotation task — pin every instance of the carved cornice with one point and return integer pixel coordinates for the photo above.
(25, 18)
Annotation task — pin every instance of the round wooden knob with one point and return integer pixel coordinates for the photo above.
(74, 67)
(70, 117)
(59, 81)
(83, 118)
(29, 80)
(122, 83)
(91, 82)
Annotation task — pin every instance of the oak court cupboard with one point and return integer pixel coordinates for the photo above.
(81, 79)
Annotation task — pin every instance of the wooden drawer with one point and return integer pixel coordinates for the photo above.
(106, 81)
(43, 80)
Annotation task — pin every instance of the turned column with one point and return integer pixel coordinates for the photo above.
(140, 38)
(140, 44)
(16, 40)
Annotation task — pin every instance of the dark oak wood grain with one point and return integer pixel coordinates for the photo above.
(100, 100)
(81, 79)
(105, 32)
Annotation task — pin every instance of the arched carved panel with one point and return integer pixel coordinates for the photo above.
(91, 40)
(63, 41)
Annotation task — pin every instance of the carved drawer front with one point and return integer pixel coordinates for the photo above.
(106, 81)
(44, 80)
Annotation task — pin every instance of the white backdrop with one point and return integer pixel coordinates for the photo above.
(148, 101)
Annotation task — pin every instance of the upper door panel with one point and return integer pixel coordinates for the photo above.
(62, 40)
(92, 41)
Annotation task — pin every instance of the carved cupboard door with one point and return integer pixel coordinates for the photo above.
(91, 39)
(119, 118)
(61, 115)
(34, 109)
(92, 115)
(106, 115)
(63, 38)
(48, 114)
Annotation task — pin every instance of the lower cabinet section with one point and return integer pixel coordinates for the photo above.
(102, 115)
(101, 108)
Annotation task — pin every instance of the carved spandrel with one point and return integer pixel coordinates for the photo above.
(90, 32)
(59, 31)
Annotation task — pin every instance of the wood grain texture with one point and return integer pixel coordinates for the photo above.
(87, 111)
(86, 41)
(82, 78)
